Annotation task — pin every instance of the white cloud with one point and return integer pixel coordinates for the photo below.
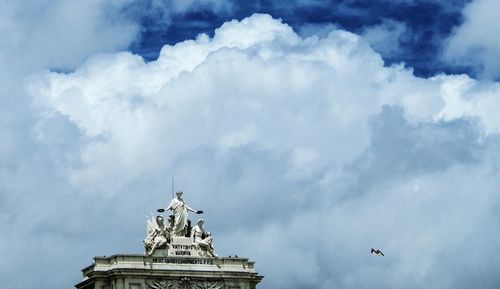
(315, 29)
(465, 97)
(38, 214)
(385, 38)
(476, 41)
(64, 33)
(116, 95)
(315, 149)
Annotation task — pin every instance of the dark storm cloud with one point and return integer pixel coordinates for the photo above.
(429, 213)
(401, 150)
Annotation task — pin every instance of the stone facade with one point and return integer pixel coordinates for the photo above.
(158, 272)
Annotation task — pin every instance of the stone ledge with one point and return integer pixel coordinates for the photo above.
(108, 272)
(138, 261)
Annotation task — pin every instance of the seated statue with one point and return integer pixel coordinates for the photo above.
(202, 240)
(158, 235)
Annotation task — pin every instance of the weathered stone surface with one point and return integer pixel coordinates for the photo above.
(157, 272)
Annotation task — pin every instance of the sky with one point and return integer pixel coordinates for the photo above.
(307, 131)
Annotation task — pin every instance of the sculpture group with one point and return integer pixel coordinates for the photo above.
(161, 235)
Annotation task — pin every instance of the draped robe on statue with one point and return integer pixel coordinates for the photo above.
(180, 209)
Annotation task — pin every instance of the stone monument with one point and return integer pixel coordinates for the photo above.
(177, 256)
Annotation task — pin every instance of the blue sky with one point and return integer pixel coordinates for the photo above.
(308, 131)
(427, 24)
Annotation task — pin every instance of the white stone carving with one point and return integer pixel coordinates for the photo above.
(203, 241)
(180, 210)
(207, 285)
(183, 283)
(176, 238)
(162, 284)
(158, 235)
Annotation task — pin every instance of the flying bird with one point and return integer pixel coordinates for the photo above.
(376, 252)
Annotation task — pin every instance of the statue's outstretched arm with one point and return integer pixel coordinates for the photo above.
(170, 206)
(193, 210)
(190, 209)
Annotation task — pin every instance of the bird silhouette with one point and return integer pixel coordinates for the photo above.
(376, 252)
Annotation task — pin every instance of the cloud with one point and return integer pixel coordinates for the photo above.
(419, 192)
(39, 210)
(193, 5)
(414, 30)
(39, 35)
(162, 12)
(314, 148)
(319, 30)
(63, 32)
(385, 38)
(475, 43)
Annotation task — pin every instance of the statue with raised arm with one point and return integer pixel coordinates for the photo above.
(201, 239)
(157, 235)
(180, 210)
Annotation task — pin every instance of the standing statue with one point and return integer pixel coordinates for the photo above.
(201, 239)
(180, 210)
(158, 235)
